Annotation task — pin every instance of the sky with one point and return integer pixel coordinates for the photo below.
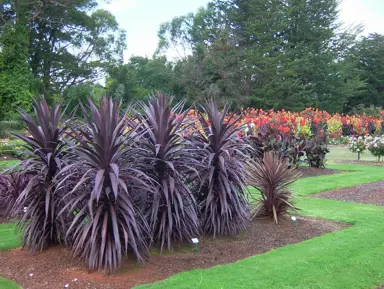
(141, 18)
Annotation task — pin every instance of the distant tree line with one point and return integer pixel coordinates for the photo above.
(282, 54)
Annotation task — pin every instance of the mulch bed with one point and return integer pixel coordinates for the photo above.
(372, 193)
(54, 268)
(314, 172)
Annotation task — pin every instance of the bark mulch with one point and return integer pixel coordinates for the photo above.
(372, 193)
(314, 172)
(54, 268)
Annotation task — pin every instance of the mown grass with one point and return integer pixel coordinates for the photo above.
(9, 239)
(352, 258)
(341, 152)
(5, 164)
(6, 284)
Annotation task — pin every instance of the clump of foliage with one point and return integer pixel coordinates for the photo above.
(40, 224)
(289, 147)
(11, 185)
(316, 148)
(357, 145)
(12, 148)
(105, 180)
(272, 177)
(9, 128)
(376, 146)
(221, 191)
(172, 209)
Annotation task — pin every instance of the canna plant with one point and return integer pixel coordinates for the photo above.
(104, 181)
(172, 209)
(221, 191)
(272, 176)
(40, 224)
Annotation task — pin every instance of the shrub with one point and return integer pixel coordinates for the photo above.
(221, 191)
(316, 148)
(8, 128)
(288, 147)
(104, 182)
(14, 148)
(272, 177)
(357, 145)
(172, 211)
(11, 186)
(40, 224)
(376, 146)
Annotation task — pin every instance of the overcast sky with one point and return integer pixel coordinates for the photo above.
(142, 18)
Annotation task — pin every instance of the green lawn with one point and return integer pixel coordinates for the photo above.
(352, 258)
(340, 152)
(8, 240)
(7, 164)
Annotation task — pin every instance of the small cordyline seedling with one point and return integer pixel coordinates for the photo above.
(172, 209)
(272, 177)
(40, 224)
(221, 189)
(103, 183)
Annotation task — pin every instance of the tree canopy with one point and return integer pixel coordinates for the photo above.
(282, 54)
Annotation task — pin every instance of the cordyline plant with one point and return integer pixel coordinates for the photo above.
(11, 185)
(104, 181)
(40, 224)
(272, 177)
(221, 192)
(172, 210)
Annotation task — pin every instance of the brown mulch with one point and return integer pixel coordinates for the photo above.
(372, 193)
(314, 172)
(54, 268)
(7, 158)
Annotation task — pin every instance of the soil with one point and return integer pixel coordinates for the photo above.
(314, 172)
(55, 267)
(372, 193)
(7, 158)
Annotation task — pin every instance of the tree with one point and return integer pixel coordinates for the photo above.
(16, 81)
(141, 76)
(367, 58)
(70, 41)
(265, 53)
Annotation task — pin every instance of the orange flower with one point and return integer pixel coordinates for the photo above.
(302, 122)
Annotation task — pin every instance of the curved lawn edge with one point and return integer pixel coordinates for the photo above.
(353, 175)
(350, 258)
(7, 284)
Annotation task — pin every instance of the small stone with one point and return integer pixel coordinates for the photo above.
(74, 280)
(66, 286)
(31, 275)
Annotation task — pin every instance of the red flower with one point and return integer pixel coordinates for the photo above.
(286, 129)
(302, 122)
